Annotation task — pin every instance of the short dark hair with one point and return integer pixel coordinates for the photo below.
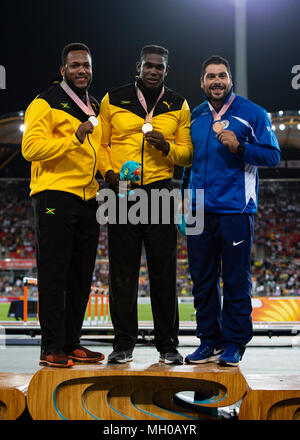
(214, 59)
(73, 46)
(153, 48)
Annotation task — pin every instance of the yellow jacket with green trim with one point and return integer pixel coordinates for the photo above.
(122, 119)
(59, 160)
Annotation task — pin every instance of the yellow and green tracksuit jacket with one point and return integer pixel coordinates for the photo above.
(122, 119)
(59, 160)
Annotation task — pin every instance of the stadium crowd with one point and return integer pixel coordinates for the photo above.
(277, 239)
(276, 254)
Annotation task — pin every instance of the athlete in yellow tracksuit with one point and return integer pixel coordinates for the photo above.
(158, 151)
(60, 161)
(122, 120)
(63, 147)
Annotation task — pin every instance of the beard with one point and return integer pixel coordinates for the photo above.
(217, 101)
(221, 97)
(80, 91)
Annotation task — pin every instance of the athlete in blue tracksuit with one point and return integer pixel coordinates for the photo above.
(231, 137)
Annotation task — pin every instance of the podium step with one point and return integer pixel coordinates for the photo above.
(132, 392)
(271, 398)
(138, 391)
(13, 388)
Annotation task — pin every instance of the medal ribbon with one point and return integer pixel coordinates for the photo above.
(142, 100)
(217, 116)
(87, 109)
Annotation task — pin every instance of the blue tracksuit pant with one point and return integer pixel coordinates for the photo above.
(223, 249)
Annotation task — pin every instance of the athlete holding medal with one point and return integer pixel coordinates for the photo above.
(62, 139)
(148, 123)
(232, 136)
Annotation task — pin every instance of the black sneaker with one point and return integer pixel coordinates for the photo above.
(120, 357)
(171, 357)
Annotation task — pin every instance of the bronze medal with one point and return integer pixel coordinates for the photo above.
(218, 127)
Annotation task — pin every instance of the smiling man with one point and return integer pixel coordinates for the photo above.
(232, 136)
(216, 83)
(61, 140)
(148, 123)
(76, 70)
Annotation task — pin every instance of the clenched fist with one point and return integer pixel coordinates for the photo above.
(229, 139)
(157, 139)
(83, 129)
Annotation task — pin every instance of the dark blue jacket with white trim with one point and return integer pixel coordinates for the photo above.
(230, 181)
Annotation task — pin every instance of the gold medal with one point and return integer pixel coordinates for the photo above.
(147, 127)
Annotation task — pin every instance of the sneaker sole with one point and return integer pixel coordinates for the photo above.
(53, 364)
(224, 363)
(165, 361)
(114, 361)
(89, 360)
(202, 361)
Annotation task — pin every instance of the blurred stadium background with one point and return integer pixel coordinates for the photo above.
(276, 252)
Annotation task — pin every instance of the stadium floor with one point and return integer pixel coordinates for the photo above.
(278, 355)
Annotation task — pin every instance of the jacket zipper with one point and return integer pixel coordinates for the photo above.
(85, 187)
(142, 161)
(206, 154)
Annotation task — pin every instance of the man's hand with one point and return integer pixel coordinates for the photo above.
(83, 129)
(229, 139)
(157, 139)
(113, 179)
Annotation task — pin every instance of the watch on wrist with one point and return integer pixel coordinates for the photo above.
(240, 148)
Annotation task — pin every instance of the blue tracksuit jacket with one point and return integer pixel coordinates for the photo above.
(230, 181)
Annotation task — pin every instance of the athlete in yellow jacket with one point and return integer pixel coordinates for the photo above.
(60, 161)
(124, 112)
(63, 146)
(122, 120)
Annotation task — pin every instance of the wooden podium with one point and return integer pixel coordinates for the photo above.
(137, 391)
(132, 392)
(13, 388)
(271, 398)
